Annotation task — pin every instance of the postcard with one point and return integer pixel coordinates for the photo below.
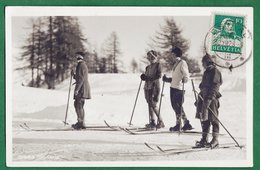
(129, 86)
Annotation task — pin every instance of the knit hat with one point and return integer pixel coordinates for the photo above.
(207, 60)
(177, 51)
(80, 55)
(152, 53)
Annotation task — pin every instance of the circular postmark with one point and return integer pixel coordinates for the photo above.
(229, 42)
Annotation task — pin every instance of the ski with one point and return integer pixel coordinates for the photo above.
(149, 131)
(88, 128)
(94, 126)
(150, 147)
(154, 131)
(116, 128)
(192, 149)
(159, 149)
(121, 128)
(201, 149)
(127, 131)
(143, 129)
(24, 127)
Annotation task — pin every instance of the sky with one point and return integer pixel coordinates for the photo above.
(134, 32)
(133, 25)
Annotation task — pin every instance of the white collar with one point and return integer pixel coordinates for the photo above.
(79, 61)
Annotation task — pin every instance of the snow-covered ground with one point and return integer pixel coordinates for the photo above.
(112, 100)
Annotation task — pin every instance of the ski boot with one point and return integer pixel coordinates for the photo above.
(202, 143)
(187, 126)
(151, 125)
(213, 143)
(160, 125)
(83, 126)
(76, 126)
(175, 128)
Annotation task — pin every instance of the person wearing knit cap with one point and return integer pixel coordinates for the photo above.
(208, 102)
(152, 77)
(81, 91)
(180, 75)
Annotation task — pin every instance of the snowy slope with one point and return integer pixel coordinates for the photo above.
(113, 98)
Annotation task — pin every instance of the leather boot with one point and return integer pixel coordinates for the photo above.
(202, 143)
(160, 125)
(214, 142)
(175, 128)
(151, 125)
(187, 126)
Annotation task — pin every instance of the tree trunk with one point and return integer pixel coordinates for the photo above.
(52, 77)
(32, 55)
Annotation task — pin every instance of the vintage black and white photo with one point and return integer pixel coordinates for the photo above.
(129, 86)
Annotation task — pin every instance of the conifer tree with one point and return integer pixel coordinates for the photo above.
(50, 48)
(168, 37)
(112, 52)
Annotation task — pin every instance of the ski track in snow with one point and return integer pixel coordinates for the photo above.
(112, 100)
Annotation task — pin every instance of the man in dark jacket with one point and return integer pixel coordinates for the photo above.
(208, 102)
(81, 91)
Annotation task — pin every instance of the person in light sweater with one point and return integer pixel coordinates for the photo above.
(180, 75)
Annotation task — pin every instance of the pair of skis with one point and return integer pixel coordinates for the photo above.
(170, 151)
(139, 131)
(105, 127)
(108, 127)
(88, 128)
(149, 131)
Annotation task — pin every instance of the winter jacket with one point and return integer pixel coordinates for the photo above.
(153, 73)
(82, 84)
(209, 94)
(180, 71)
(211, 81)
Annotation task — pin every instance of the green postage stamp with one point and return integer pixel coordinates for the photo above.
(226, 40)
(227, 34)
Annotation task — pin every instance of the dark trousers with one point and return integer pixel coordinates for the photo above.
(212, 119)
(176, 102)
(206, 128)
(79, 108)
(214, 106)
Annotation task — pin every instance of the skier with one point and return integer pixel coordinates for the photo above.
(208, 103)
(180, 75)
(81, 91)
(152, 77)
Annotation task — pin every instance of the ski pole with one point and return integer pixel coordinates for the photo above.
(66, 114)
(159, 111)
(182, 99)
(214, 114)
(130, 123)
(196, 98)
(194, 90)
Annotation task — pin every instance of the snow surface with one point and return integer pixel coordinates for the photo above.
(113, 97)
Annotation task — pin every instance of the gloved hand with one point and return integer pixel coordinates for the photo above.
(196, 103)
(73, 74)
(205, 109)
(76, 94)
(143, 77)
(184, 80)
(164, 78)
(156, 99)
